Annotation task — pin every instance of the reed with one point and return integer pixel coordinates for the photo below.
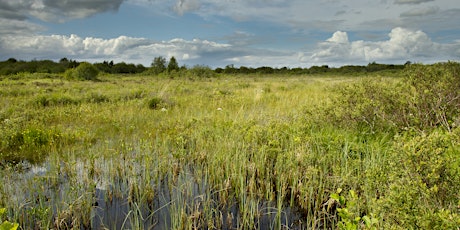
(140, 152)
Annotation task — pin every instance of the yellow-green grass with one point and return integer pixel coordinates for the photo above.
(184, 153)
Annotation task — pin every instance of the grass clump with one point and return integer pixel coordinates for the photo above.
(54, 100)
(31, 144)
(157, 102)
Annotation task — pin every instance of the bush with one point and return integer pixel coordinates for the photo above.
(370, 105)
(434, 94)
(85, 71)
(423, 183)
(202, 72)
(426, 98)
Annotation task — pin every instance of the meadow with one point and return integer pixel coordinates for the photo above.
(245, 151)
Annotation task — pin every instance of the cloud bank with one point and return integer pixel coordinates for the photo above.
(402, 45)
(326, 32)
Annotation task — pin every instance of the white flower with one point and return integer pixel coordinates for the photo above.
(163, 110)
(219, 109)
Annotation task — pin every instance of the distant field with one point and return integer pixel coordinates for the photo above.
(242, 151)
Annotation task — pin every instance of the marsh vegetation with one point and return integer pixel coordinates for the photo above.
(250, 151)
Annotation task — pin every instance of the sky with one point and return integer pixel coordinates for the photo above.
(217, 33)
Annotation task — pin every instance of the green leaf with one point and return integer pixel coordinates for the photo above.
(339, 190)
(335, 196)
(8, 226)
(367, 221)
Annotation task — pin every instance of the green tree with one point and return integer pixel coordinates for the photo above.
(173, 65)
(158, 65)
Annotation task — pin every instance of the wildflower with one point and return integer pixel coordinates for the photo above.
(219, 109)
(163, 110)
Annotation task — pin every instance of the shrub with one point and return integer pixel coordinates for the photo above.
(427, 97)
(423, 183)
(202, 72)
(434, 94)
(85, 71)
(370, 104)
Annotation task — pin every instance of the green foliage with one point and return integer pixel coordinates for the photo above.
(54, 100)
(427, 97)
(6, 225)
(30, 144)
(173, 65)
(433, 94)
(125, 68)
(423, 183)
(85, 71)
(158, 103)
(348, 212)
(12, 66)
(243, 142)
(97, 98)
(201, 72)
(369, 104)
(158, 65)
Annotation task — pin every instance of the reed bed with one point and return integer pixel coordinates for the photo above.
(141, 152)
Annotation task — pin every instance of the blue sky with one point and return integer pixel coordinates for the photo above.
(292, 33)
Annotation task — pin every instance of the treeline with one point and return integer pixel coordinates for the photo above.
(160, 65)
(13, 66)
(347, 69)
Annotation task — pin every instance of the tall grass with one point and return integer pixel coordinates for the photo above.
(229, 152)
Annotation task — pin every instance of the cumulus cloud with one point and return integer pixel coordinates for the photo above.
(403, 44)
(123, 48)
(141, 50)
(413, 2)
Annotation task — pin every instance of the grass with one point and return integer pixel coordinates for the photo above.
(226, 152)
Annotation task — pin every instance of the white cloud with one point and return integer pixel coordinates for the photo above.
(123, 48)
(403, 44)
(141, 50)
